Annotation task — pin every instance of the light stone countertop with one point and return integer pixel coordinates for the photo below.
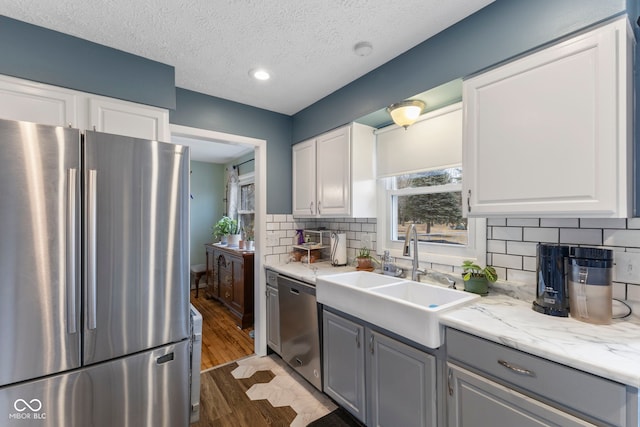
(610, 351)
(308, 272)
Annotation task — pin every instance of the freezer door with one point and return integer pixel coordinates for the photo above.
(148, 389)
(39, 250)
(136, 245)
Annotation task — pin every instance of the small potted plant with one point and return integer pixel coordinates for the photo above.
(365, 260)
(224, 228)
(247, 231)
(476, 278)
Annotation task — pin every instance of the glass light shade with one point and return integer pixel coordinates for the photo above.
(405, 113)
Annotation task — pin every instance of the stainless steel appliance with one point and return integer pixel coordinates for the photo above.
(196, 358)
(590, 274)
(551, 291)
(94, 279)
(299, 332)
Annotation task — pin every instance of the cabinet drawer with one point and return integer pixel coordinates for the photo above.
(594, 396)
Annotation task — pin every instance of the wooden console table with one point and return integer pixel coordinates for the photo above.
(230, 280)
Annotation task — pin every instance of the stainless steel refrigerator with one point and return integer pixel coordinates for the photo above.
(94, 299)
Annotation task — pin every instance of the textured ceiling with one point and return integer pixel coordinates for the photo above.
(307, 45)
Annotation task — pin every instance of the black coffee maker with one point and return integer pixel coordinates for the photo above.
(552, 296)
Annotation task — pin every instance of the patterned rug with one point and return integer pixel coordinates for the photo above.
(259, 391)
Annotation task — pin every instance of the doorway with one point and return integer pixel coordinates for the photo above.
(206, 144)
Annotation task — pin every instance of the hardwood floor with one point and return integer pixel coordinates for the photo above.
(222, 340)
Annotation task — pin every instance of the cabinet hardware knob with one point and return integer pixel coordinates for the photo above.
(358, 338)
(469, 201)
(371, 344)
(517, 369)
(450, 382)
(311, 208)
(319, 205)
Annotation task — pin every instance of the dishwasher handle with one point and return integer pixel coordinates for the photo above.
(294, 291)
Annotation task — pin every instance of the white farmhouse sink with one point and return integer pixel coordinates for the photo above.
(410, 309)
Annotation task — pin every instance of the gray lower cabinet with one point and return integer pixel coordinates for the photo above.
(495, 385)
(380, 380)
(477, 401)
(344, 363)
(273, 319)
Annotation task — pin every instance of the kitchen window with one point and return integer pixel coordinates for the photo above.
(420, 181)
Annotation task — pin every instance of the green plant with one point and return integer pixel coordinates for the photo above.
(365, 252)
(247, 231)
(470, 269)
(225, 226)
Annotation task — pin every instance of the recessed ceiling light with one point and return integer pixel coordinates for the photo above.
(259, 74)
(362, 48)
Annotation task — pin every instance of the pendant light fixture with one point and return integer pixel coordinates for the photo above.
(405, 113)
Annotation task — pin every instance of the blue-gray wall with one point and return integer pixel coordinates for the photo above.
(504, 29)
(207, 205)
(46, 56)
(208, 112)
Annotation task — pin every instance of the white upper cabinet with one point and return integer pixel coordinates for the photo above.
(29, 101)
(334, 174)
(51, 105)
(550, 134)
(304, 178)
(129, 119)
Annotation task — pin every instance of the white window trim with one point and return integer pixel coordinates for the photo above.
(435, 253)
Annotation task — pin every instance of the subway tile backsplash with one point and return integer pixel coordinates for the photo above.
(281, 234)
(511, 242)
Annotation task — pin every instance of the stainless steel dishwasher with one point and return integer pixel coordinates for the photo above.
(299, 332)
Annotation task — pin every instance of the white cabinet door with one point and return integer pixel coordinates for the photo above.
(344, 363)
(549, 134)
(129, 119)
(333, 151)
(39, 103)
(474, 400)
(402, 390)
(304, 178)
(273, 319)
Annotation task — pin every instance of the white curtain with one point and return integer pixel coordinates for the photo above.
(232, 193)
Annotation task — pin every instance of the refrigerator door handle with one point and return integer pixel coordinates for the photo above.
(92, 249)
(71, 257)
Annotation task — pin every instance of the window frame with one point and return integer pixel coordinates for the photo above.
(434, 253)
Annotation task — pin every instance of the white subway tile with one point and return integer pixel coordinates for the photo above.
(370, 228)
(273, 226)
(529, 263)
(633, 223)
(280, 218)
(545, 235)
(618, 290)
(498, 222)
(507, 261)
(269, 218)
(628, 238)
(633, 292)
(272, 259)
(496, 246)
(280, 249)
(603, 223)
(519, 276)
(502, 272)
(507, 233)
(559, 222)
(521, 248)
(577, 236)
(355, 227)
(286, 226)
(523, 222)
